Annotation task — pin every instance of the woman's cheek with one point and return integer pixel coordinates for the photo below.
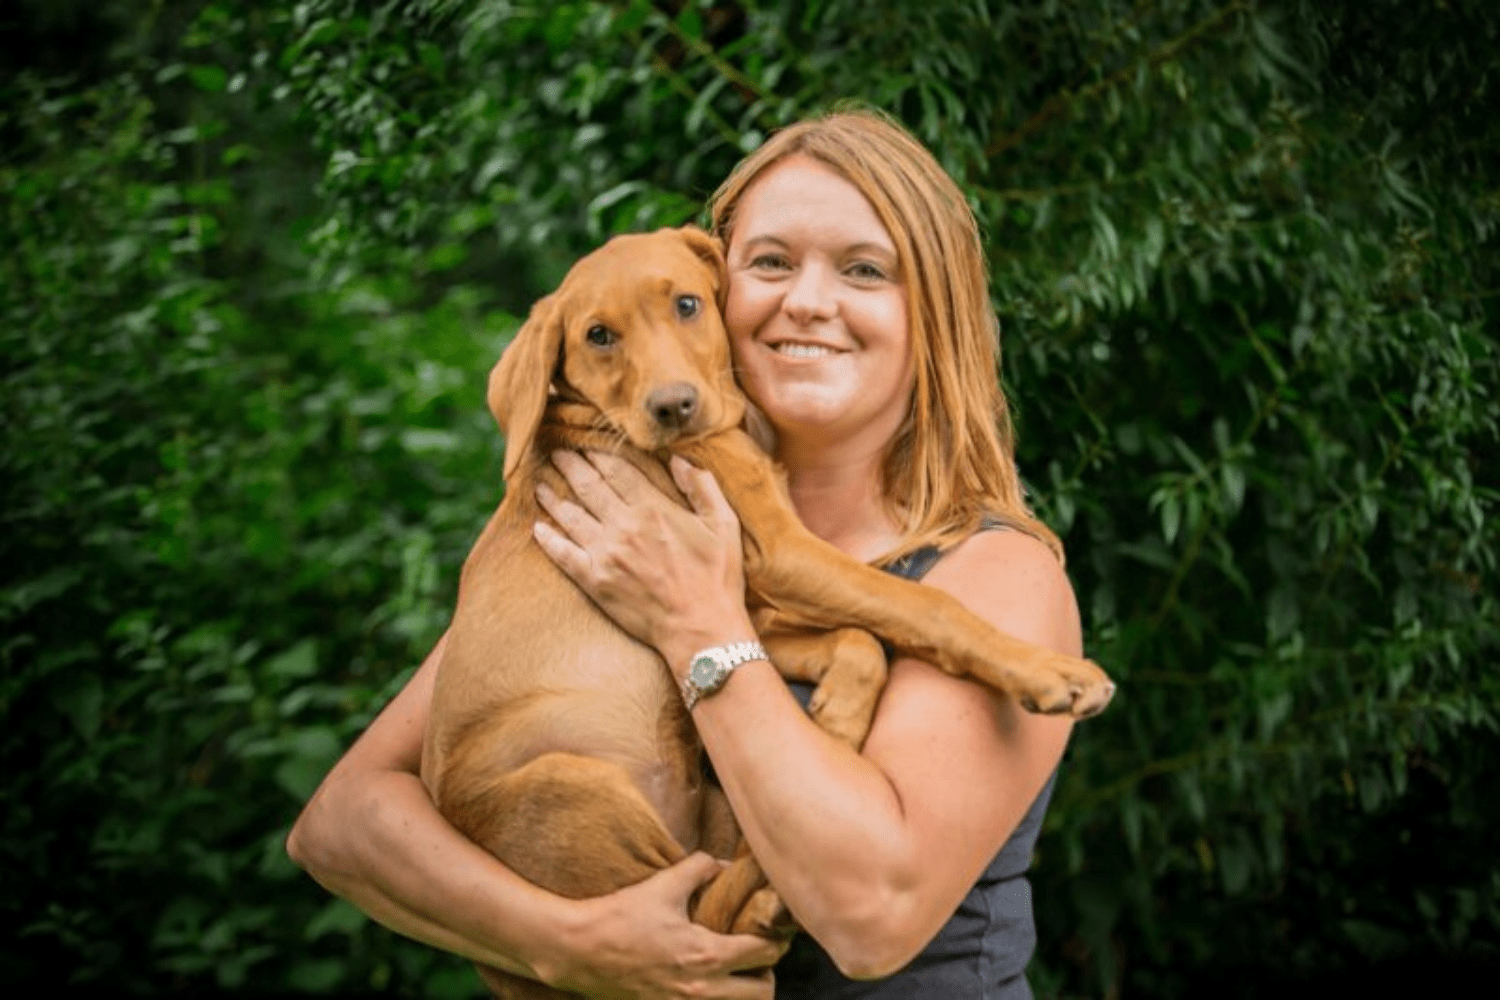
(740, 326)
(748, 375)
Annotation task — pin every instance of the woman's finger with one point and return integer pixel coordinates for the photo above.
(703, 493)
(593, 493)
(579, 525)
(628, 482)
(684, 878)
(761, 987)
(749, 952)
(740, 969)
(572, 560)
(737, 952)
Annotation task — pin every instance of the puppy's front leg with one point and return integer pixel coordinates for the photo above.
(847, 667)
(809, 580)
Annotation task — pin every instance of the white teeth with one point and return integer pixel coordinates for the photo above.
(804, 350)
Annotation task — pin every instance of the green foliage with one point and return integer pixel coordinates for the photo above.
(260, 260)
(234, 511)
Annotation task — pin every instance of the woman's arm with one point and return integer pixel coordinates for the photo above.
(371, 834)
(872, 852)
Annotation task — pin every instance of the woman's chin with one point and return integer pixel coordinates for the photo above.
(801, 413)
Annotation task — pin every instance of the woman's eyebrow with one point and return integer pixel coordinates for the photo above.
(864, 246)
(765, 238)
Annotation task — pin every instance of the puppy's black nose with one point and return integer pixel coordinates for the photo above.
(673, 406)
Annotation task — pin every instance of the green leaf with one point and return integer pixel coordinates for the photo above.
(296, 663)
(336, 917)
(311, 754)
(1235, 859)
(82, 701)
(1171, 517)
(1234, 487)
(209, 78)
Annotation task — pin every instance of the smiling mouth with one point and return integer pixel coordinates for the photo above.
(791, 350)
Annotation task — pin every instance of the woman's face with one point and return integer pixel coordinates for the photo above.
(816, 309)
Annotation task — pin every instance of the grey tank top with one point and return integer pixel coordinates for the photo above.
(980, 953)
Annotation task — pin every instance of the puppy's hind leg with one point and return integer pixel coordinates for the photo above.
(574, 825)
(739, 900)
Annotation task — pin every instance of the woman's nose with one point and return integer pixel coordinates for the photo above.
(810, 295)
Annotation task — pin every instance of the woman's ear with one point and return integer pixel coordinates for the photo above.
(710, 251)
(519, 382)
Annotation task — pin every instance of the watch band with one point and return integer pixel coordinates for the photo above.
(710, 668)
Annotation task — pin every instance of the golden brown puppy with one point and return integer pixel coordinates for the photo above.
(557, 741)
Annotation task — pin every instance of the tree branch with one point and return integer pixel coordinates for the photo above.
(1058, 104)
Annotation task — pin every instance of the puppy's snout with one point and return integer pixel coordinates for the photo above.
(673, 406)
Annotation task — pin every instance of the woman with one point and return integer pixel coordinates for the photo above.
(861, 327)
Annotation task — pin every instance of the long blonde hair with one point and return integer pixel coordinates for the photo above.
(951, 463)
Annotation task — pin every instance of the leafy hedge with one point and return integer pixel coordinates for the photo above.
(260, 260)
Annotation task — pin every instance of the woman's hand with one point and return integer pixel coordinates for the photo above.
(639, 943)
(670, 577)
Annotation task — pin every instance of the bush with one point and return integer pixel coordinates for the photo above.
(261, 260)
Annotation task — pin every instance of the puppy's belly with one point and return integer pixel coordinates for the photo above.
(662, 768)
(519, 683)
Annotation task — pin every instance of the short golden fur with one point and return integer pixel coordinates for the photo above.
(555, 740)
(952, 463)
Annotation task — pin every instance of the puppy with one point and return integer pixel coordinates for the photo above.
(557, 741)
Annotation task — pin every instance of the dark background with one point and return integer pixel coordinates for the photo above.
(259, 258)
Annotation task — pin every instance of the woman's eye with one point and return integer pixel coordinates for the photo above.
(769, 262)
(867, 272)
(600, 335)
(687, 306)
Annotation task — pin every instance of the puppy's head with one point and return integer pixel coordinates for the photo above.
(635, 330)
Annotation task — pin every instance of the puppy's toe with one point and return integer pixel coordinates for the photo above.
(765, 914)
(1093, 698)
(1094, 689)
(1047, 695)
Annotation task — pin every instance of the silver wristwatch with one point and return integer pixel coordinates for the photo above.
(710, 668)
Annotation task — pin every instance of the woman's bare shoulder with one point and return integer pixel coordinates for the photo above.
(1013, 580)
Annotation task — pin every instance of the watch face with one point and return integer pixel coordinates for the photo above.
(703, 672)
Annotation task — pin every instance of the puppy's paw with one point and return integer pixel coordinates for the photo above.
(1063, 686)
(765, 915)
(845, 718)
(1095, 690)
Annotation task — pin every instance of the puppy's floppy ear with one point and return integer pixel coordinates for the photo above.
(711, 251)
(520, 380)
(756, 424)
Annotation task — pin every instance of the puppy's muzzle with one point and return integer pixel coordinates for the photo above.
(673, 407)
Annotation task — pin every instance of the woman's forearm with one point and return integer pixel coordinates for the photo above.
(825, 824)
(380, 843)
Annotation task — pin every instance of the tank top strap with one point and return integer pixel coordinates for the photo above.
(916, 563)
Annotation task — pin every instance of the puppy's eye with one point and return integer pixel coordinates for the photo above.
(687, 306)
(600, 335)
